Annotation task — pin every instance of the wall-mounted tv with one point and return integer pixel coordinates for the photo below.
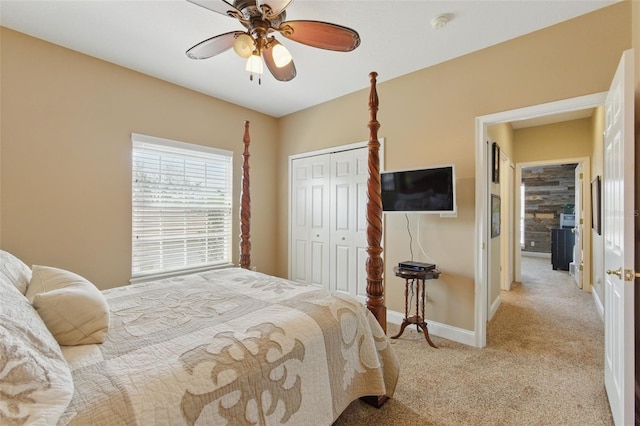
(426, 190)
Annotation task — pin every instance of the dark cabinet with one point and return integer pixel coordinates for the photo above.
(562, 241)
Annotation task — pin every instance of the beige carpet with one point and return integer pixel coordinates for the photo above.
(543, 365)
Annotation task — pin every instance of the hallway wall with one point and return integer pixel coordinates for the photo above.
(547, 191)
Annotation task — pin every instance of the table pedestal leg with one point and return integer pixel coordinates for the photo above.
(423, 326)
(405, 323)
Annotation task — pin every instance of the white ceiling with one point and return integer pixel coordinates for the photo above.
(151, 37)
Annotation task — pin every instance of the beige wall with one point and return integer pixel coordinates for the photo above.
(568, 139)
(428, 117)
(503, 134)
(67, 121)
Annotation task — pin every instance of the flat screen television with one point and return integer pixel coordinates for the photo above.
(426, 190)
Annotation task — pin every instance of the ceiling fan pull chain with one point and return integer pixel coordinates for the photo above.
(259, 79)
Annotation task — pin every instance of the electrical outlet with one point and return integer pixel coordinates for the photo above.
(533, 243)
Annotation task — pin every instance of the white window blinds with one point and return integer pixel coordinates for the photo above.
(182, 201)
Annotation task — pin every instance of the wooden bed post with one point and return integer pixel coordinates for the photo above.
(374, 264)
(245, 204)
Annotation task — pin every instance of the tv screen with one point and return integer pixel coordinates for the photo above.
(428, 190)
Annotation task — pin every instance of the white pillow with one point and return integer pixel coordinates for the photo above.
(13, 271)
(73, 309)
(35, 380)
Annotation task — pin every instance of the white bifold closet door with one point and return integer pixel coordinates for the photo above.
(328, 221)
(310, 220)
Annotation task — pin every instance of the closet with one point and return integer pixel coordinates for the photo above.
(328, 220)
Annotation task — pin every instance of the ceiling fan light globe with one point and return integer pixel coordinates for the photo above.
(243, 45)
(281, 56)
(254, 65)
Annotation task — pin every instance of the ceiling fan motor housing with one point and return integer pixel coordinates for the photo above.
(251, 11)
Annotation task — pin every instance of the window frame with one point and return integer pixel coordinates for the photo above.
(181, 151)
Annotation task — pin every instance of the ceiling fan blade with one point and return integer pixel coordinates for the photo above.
(220, 6)
(285, 73)
(321, 34)
(276, 6)
(213, 46)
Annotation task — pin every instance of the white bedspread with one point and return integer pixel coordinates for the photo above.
(229, 346)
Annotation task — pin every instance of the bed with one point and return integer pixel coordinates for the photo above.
(226, 346)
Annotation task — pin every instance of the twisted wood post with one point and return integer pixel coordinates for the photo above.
(374, 264)
(245, 204)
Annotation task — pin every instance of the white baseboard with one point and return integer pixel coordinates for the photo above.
(494, 307)
(535, 254)
(449, 332)
(598, 303)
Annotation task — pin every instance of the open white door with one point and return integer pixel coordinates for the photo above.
(618, 207)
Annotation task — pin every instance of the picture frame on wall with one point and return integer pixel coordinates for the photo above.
(495, 215)
(596, 219)
(495, 163)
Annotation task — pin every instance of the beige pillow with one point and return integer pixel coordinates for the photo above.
(73, 309)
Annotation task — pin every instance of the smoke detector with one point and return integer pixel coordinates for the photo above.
(440, 21)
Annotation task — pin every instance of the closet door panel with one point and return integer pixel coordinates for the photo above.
(344, 219)
(360, 233)
(318, 218)
(310, 230)
(300, 223)
(342, 268)
(360, 271)
(299, 265)
(318, 273)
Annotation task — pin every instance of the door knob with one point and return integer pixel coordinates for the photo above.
(617, 272)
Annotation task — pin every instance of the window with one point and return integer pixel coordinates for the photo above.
(181, 203)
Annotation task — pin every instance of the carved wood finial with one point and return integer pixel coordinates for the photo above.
(374, 264)
(245, 204)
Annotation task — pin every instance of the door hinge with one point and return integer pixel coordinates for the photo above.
(581, 267)
(581, 223)
(580, 175)
(630, 275)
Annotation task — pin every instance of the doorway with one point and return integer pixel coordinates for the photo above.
(550, 225)
(483, 174)
(547, 219)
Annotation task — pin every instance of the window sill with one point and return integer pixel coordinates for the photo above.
(171, 274)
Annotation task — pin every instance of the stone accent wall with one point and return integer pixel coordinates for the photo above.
(547, 190)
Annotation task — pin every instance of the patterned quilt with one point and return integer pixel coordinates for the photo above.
(228, 346)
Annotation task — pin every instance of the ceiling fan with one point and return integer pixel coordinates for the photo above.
(261, 18)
